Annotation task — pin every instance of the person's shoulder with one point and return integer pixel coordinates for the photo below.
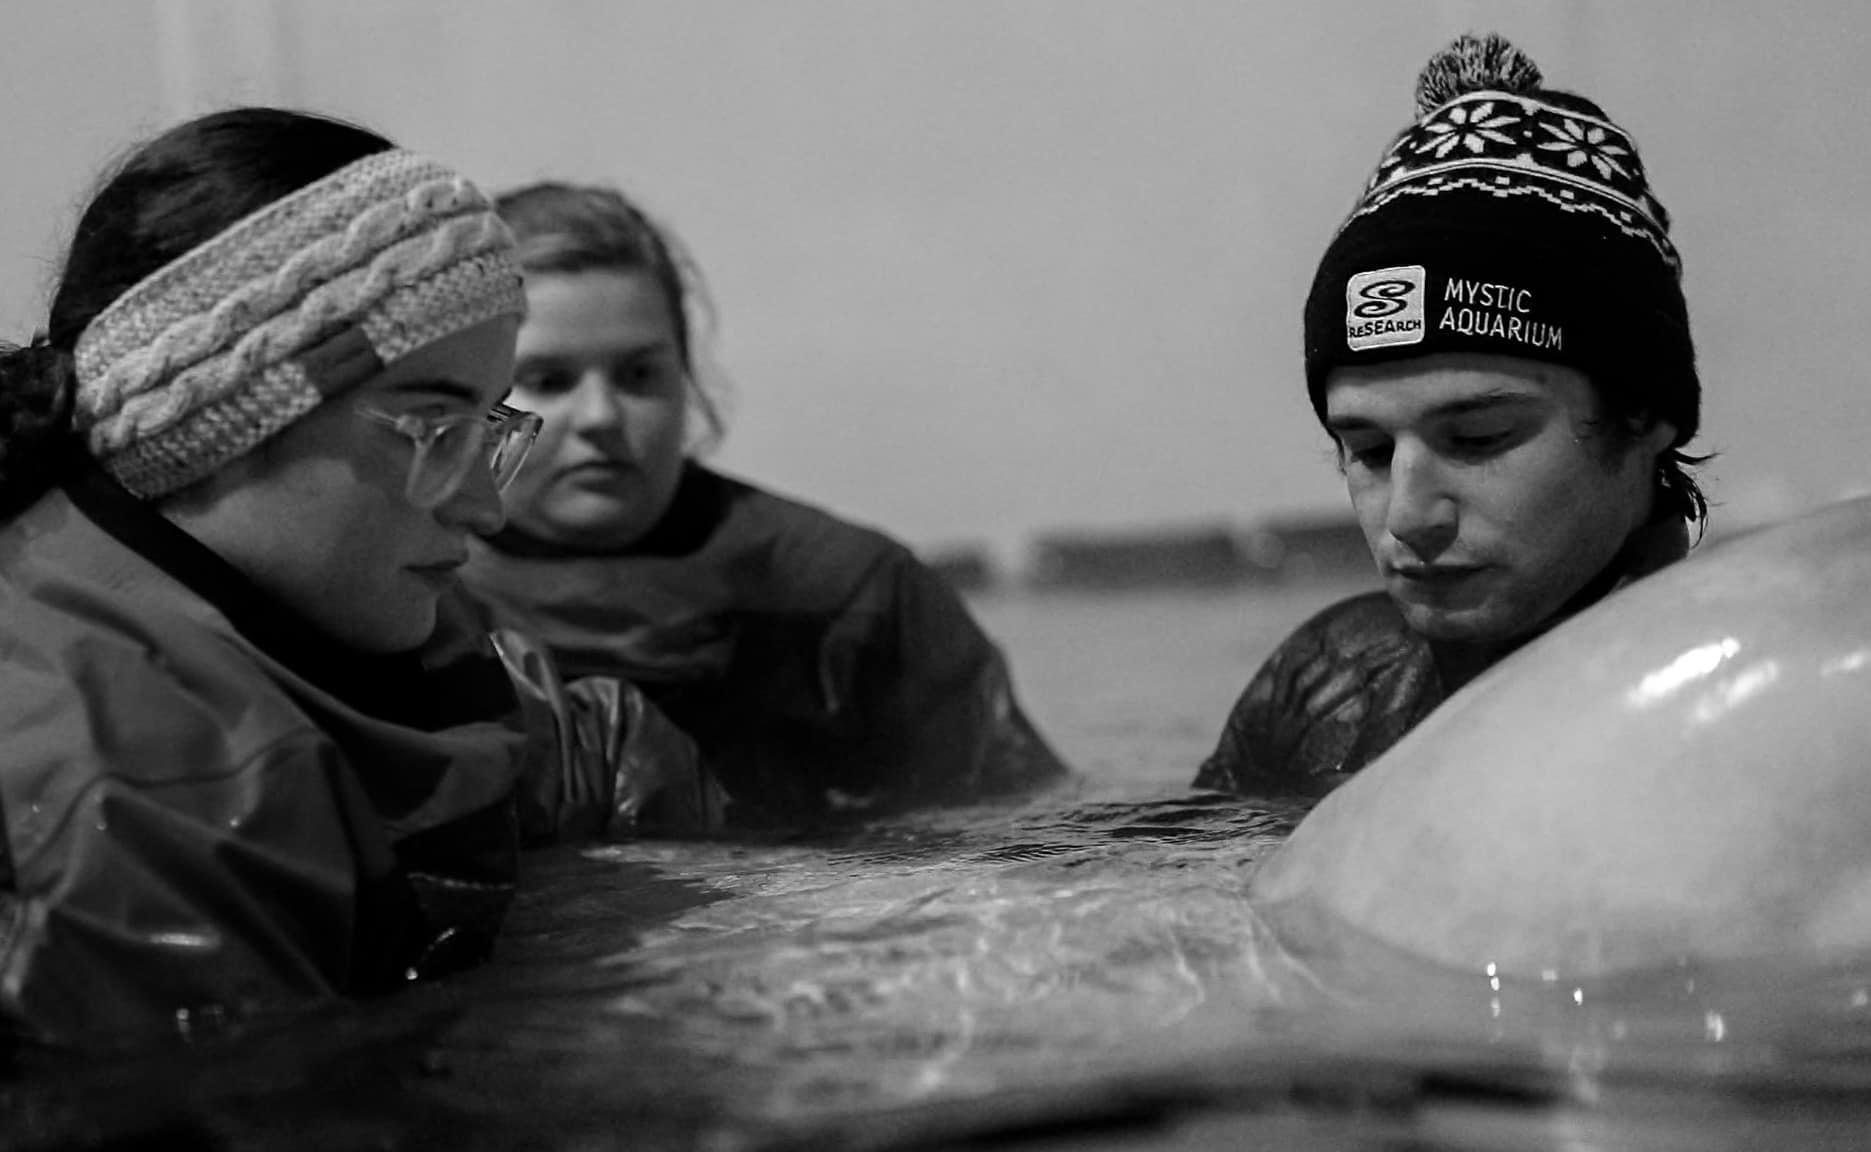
(1350, 640)
(1367, 624)
(792, 516)
(88, 677)
(1317, 701)
(145, 659)
(808, 546)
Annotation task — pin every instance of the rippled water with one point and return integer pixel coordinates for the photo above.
(1081, 971)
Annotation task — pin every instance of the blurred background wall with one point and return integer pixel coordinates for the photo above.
(992, 267)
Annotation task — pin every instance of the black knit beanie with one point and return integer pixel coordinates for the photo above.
(1514, 220)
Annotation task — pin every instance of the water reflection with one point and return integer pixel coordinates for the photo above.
(1854, 661)
(1735, 691)
(1081, 968)
(1086, 960)
(1695, 664)
(1084, 971)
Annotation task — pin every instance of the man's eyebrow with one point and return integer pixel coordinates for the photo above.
(1485, 402)
(1490, 401)
(1340, 424)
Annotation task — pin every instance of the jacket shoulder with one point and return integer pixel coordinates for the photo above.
(87, 676)
(1322, 695)
(810, 552)
(1365, 626)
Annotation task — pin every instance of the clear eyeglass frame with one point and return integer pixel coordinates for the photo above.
(448, 447)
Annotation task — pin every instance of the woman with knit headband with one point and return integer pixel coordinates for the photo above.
(253, 756)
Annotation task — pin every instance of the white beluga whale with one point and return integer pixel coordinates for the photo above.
(1680, 773)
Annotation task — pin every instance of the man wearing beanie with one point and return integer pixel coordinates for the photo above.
(1497, 343)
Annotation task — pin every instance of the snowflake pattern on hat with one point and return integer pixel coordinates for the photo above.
(1587, 143)
(1509, 144)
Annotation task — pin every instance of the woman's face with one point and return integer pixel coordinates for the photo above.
(599, 360)
(317, 516)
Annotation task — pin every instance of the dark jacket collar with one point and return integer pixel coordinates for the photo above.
(1660, 542)
(698, 507)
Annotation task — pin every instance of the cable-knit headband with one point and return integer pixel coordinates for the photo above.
(237, 338)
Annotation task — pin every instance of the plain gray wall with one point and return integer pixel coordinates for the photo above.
(991, 266)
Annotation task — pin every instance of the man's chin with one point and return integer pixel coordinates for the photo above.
(1468, 625)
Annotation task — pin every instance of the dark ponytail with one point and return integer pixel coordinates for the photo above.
(170, 195)
(37, 442)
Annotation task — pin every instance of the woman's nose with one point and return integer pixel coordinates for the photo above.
(476, 504)
(594, 403)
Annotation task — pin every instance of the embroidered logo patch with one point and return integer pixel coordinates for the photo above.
(1384, 307)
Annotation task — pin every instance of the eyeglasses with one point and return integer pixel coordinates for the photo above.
(448, 447)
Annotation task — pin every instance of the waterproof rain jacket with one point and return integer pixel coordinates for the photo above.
(819, 666)
(210, 809)
(1353, 680)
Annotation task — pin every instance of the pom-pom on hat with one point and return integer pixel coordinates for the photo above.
(1515, 220)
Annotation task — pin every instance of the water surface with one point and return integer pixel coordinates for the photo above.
(1082, 971)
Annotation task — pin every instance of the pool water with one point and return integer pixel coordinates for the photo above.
(1079, 971)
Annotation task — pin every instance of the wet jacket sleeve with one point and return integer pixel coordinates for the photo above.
(198, 889)
(602, 761)
(1343, 688)
(1256, 755)
(943, 696)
